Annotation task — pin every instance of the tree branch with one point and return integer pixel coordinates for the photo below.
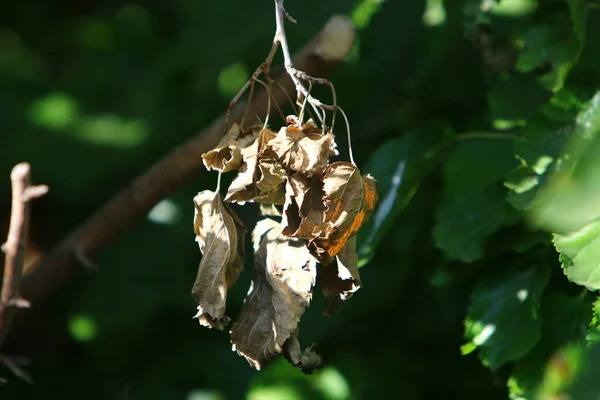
(179, 166)
(14, 248)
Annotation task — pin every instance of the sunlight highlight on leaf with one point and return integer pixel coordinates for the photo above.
(514, 8)
(522, 295)
(486, 332)
(386, 206)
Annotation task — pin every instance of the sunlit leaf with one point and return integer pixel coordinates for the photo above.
(570, 199)
(503, 320)
(580, 255)
(285, 273)
(349, 200)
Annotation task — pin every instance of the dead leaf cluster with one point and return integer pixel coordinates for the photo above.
(321, 206)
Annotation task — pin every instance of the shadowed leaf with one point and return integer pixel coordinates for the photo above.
(340, 279)
(259, 179)
(303, 211)
(220, 235)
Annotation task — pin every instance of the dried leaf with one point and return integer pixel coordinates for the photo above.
(303, 215)
(306, 361)
(264, 137)
(269, 210)
(340, 279)
(303, 152)
(259, 179)
(227, 156)
(280, 291)
(220, 235)
(349, 200)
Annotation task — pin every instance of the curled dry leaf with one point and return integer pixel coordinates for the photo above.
(349, 199)
(306, 361)
(227, 156)
(303, 211)
(280, 291)
(340, 279)
(220, 235)
(260, 179)
(303, 149)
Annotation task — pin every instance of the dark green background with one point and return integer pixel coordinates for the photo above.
(94, 92)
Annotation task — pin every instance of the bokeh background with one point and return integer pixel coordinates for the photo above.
(94, 92)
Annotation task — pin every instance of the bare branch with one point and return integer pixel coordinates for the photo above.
(179, 166)
(14, 249)
(328, 49)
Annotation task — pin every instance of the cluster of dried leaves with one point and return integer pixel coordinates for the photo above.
(321, 206)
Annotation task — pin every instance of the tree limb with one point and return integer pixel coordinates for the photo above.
(179, 166)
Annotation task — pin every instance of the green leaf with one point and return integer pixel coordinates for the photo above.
(400, 165)
(514, 96)
(570, 199)
(474, 205)
(553, 44)
(476, 164)
(464, 223)
(562, 318)
(580, 255)
(540, 153)
(503, 319)
(594, 331)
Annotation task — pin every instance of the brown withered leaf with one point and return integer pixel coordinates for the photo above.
(306, 361)
(280, 291)
(349, 199)
(220, 236)
(227, 156)
(303, 152)
(303, 211)
(340, 279)
(259, 180)
(264, 137)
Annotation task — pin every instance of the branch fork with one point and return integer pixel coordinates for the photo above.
(14, 248)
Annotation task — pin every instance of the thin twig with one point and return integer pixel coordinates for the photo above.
(349, 137)
(14, 248)
(269, 97)
(295, 74)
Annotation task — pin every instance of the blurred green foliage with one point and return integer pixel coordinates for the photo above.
(478, 118)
